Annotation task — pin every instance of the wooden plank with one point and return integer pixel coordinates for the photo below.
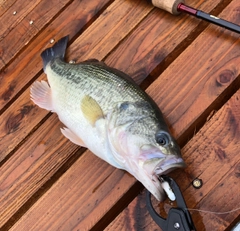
(116, 22)
(68, 22)
(80, 182)
(108, 204)
(193, 86)
(98, 38)
(148, 48)
(5, 5)
(51, 211)
(15, 124)
(201, 81)
(77, 216)
(35, 162)
(104, 27)
(210, 156)
(135, 216)
(17, 31)
(28, 63)
(9, 21)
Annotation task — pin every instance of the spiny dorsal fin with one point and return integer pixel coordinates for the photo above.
(91, 109)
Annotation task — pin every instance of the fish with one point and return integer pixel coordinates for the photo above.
(104, 110)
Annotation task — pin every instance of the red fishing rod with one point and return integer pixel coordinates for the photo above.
(177, 6)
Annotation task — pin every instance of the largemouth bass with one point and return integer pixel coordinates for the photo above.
(105, 111)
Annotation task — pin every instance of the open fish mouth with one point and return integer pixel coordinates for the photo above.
(168, 164)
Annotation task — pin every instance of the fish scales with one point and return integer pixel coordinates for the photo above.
(105, 111)
(106, 87)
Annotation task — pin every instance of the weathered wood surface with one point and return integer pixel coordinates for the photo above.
(217, 76)
(211, 155)
(46, 183)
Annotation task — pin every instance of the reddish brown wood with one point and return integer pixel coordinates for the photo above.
(150, 45)
(18, 30)
(34, 162)
(85, 212)
(9, 20)
(216, 69)
(5, 5)
(14, 123)
(15, 126)
(127, 34)
(28, 63)
(116, 22)
(210, 156)
(193, 86)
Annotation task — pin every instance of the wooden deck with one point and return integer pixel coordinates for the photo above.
(190, 68)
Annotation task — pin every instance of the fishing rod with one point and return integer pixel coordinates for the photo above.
(177, 6)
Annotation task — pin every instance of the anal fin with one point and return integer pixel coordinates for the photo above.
(41, 95)
(72, 137)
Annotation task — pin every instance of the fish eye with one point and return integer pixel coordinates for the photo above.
(162, 139)
(124, 106)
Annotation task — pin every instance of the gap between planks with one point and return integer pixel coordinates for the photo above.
(202, 25)
(216, 105)
(24, 32)
(24, 92)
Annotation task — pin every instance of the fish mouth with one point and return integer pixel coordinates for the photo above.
(154, 168)
(168, 164)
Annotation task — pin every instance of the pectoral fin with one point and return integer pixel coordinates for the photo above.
(72, 136)
(91, 109)
(41, 95)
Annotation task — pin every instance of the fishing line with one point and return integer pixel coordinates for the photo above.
(206, 211)
(169, 192)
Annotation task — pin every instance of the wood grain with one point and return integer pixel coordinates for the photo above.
(193, 86)
(210, 156)
(34, 162)
(220, 68)
(29, 63)
(18, 31)
(5, 5)
(116, 22)
(9, 21)
(156, 41)
(125, 35)
(15, 124)
(84, 223)
(78, 183)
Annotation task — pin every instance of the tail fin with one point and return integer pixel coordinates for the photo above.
(57, 50)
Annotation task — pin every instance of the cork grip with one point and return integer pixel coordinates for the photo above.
(168, 5)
